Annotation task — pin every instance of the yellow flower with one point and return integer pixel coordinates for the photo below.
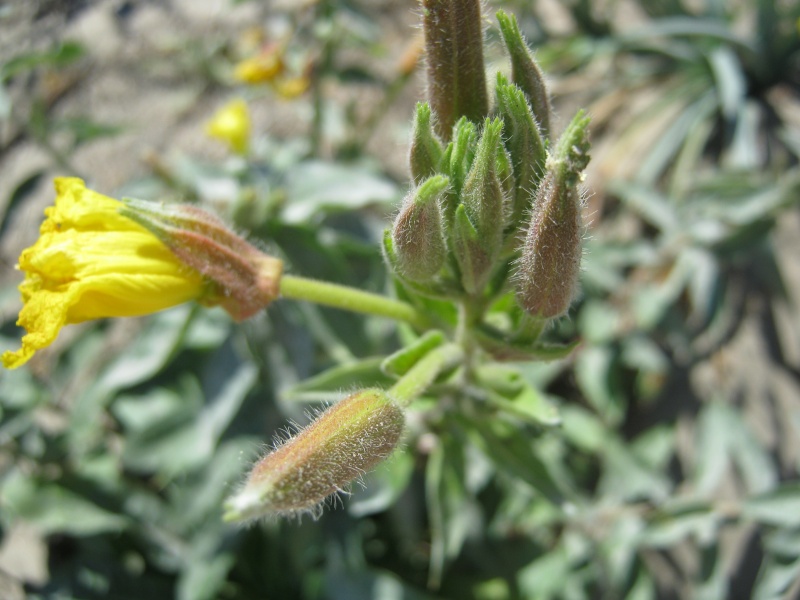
(90, 262)
(292, 87)
(261, 68)
(231, 124)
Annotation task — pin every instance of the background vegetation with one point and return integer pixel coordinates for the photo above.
(675, 424)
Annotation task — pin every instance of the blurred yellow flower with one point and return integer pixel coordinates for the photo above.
(90, 262)
(261, 68)
(292, 87)
(231, 124)
(269, 67)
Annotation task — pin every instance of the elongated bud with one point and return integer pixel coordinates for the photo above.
(245, 279)
(525, 72)
(547, 272)
(418, 235)
(465, 135)
(426, 150)
(524, 142)
(482, 194)
(473, 260)
(342, 444)
(456, 161)
(454, 53)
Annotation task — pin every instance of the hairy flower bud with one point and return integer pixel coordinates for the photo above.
(473, 260)
(547, 272)
(343, 443)
(525, 72)
(245, 279)
(454, 53)
(482, 194)
(524, 142)
(417, 235)
(426, 150)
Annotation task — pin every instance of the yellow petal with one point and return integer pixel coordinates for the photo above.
(43, 316)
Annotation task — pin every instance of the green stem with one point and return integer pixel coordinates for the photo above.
(419, 377)
(347, 298)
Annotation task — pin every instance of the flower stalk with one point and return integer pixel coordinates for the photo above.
(347, 298)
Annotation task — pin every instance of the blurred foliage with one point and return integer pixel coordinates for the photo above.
(673, 473)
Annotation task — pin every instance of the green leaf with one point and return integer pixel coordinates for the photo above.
(595, 372)
(510, 392)
(399, 363)
(779, 507)
(85, 130)
(328, 385)
(450, 511)
(316, 186)
(513, 453)
(382, 486)
(53, 508)
(698, 520)
(60, 56)
(188, 440)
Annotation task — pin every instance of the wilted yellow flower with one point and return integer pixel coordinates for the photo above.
(97, 257)
(231, 124)
(90, 262)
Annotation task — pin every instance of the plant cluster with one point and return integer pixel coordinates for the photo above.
(536, 407)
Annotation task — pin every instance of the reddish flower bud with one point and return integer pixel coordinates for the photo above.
(547, 272)
(525, 72)
(343, 443)
(418, 235)
(245, 279)
(454, 53)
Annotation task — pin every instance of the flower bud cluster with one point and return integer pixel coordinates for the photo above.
(496, 201)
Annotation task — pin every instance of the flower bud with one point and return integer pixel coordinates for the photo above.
(454, 53)
(547, 272)
(426, 151)
(473, 260)
(245, 279)
(456, 161)
(482, 194)
(525, 144)
(525, 72)
(465, 135)
(343, 443)
(417, 235)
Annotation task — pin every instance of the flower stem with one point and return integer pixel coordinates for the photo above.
(424, 373)
(347, 298)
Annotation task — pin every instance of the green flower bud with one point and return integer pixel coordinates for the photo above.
(418, 235)
(426, 150)
(473, 260)
(482, 194)
(547, 272)
(465, 135)
(343, 443)
(525, 72)
(455, 67)
(525, 144)
(457, 159)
